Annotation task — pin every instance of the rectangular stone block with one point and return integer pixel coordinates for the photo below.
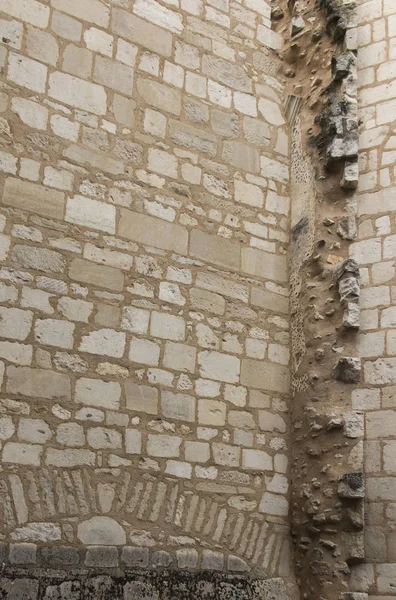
(153, 232)
(265, 375)
(207, 301)
(22, 454)
(91, 213)
(158, 14)
(97, 275)
(191, 138)
(15, 323)
(264, 265)
(139, 31)
(113, 75)
(77, 92)
(27, 73)
(220, 285)
(29, 11)
(218, 366)
(83, 156)
(269, 301)
(381, 488)
(381, 424)
(68, 458)
(92, 11)
(33, 198)
(163, 446)
(241, 156)
(214, 249)
(160, 95)
(178, 406)
(38, 383)
(168, 327)
(230, 74)
(180, 357)
(95, 392)
(141, 398)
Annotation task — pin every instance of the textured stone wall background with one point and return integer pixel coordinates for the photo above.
(144, 301)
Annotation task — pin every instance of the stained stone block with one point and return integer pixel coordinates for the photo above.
(351, 485)
(102, 556)
(348, 370)
(23, 554)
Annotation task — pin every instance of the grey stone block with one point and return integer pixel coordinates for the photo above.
(19, 589)
(102, 556)
(135, 557)
(23, 554)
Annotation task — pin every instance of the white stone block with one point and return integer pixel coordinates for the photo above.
(91, 213)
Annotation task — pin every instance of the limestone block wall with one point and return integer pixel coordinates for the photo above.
(143, 286)
(376, 250)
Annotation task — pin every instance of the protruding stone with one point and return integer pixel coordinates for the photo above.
(351, 175)
(297, 25)
(348, 266)
(346, 228)
(348, 369)
(354, 544)
(351, 317)
(351, 485)
(342, 64)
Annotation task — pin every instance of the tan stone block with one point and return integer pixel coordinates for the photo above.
(160, 95)
(124, 110)
(265, 265)
(77, 61)
(95, 392)
(77, 92)
(42, 45)
(212, 412)
(207, 301)
(215, 249)
(38, 383)
(141, 32)
(141, 398)
(241, 156)
(265, 375)
(114, 75)
(180, 357)
(97, 275)
(269, 301)
(83, 156)
(33, 198)
(153, 232)
(178, 406)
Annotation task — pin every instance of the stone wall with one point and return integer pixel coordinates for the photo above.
(376, 250)
(144, 289)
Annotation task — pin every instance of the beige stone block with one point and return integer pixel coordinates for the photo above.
(86, 157)
(105, 342)
(30, 113)
(144, 352)
(91, 213)
(162, 162)
(133, 441)
(191, 138)
(30, 11)
(33, 198)
(124, 110)
(207, 301)
(141, 32)
(22, 454)
(248, 194)
(225, 124)
(53, 332)
(27, 73)
(380, 424)
(153, 232)
(226, 455)
(271, 422)
(214, 249)
(264, 265)
(102, 438)
(256, 460)
(92, 11)
(163, 446)
(178, 406)
(114, 75)
(66, 27)
(78, 93)
(241, 156)
(38, 383)
(42, 46)
(34, 431)
(274, 504)
(29, 257)
(97, 275)
(160, 95)
(68, 458)
(141, 398)
(265, 375)
(218, 366)
(15, 323)
(95, 392)
(168, 327)
(158, 14)
(180, 357)
(269, 301)
(230, 74)
(20, 354)
(256, 132)
(77, 61)
(197, 452)
(212, 412)
(220, 285)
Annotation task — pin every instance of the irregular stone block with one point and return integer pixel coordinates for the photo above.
(351, 485)
(101, 531)
(348, 370)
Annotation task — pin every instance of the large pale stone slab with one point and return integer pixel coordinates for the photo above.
(33, 198)
(178, 406)
(103, 531)
(221, 367)
(241, 156)
(265, 265)
(97, 275)
(37, 383)
(265, 375)
(29, 11)
(142, 33)
(193, 139)
(77, 92)
(95, 392)
(83, 156)
(160, 95)
(215, 249)
(153, 232)
(92, 11)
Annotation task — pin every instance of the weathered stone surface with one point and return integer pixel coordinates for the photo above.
(33, 198)
(348, 370)
(101, 531)
(153, 232)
